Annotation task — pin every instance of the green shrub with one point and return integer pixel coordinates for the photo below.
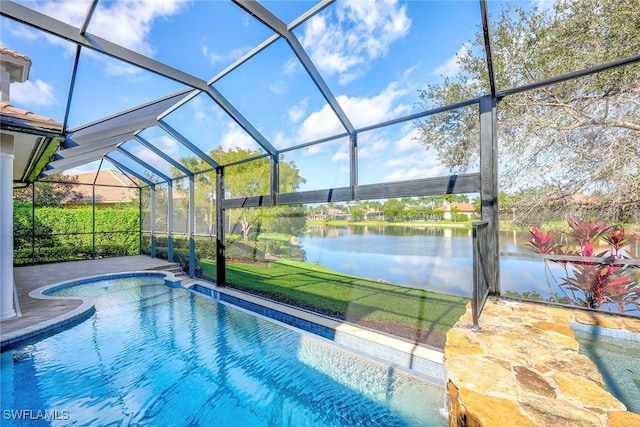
(241, 250)
(61, 234)
(462, 218)
(206, 249)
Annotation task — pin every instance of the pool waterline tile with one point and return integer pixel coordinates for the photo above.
(412, 356)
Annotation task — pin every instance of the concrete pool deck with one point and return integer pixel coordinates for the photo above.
(39, 311)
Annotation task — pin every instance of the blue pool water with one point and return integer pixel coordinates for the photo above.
(617, 360)
(155, 355)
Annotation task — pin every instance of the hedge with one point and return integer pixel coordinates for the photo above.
(67, 253)
(63, 234)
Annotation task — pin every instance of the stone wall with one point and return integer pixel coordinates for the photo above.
(523, 368)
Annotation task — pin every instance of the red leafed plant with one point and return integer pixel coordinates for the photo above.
(600, 278)
(616, 239)
(544, 243)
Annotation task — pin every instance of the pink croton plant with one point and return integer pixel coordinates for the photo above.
(591, 283)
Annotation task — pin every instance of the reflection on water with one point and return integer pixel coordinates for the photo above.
(154, 355)
(389, 230)
(437, 259)
(430, 258)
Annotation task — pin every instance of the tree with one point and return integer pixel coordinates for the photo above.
(52, 191)
(249, 179)
(357, 215)
(454, 213)
(392, 209)
(286, 220)
(204, 193)
(577, 136)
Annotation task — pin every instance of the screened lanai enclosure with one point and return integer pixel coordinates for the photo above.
(345, 136)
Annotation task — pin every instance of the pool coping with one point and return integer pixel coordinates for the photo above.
(75, 315)
(524, 367)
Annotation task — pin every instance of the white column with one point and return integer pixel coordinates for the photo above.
(6, 227)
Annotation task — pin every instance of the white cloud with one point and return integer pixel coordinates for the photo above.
(409, 159)
(122, 69)
(348, 37)
(235, 137)
(167, 145)
(71, 12)
(280, 140)
(341, 154)
(20, 32)
(202, 111)
(421, 169)
(319, 124)
(127, 23)
(362, 111)
(216, 57)
(292, 66)
(365, 111)
(33, 93)
(298, 111)
(373, 147)
(279, 87)
(398, 156)
(451, 66)
(211, 56)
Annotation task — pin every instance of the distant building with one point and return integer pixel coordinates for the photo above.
(462, 208)
(332, 213)
(374, 215)
(111, 187)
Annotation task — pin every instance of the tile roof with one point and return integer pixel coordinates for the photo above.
(111, 187)
(5, 51)
(10, 115)
(462, 207)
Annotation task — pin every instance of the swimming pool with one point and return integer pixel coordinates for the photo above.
(154, 354)
(617, 361)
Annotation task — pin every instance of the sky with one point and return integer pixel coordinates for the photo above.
(375, 57)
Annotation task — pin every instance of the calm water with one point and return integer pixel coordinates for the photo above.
(617, 361)
(152, 355)
(435, 259)
(427, 258)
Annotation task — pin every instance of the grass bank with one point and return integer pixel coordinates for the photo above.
(410, 313)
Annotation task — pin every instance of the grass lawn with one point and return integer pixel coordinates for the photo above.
(411, 313)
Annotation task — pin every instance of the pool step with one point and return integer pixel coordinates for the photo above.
(171, 267)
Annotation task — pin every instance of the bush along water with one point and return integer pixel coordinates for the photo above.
(597, 271)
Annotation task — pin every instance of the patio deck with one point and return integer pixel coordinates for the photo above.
(38, 311)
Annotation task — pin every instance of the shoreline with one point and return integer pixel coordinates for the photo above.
(391, 224)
